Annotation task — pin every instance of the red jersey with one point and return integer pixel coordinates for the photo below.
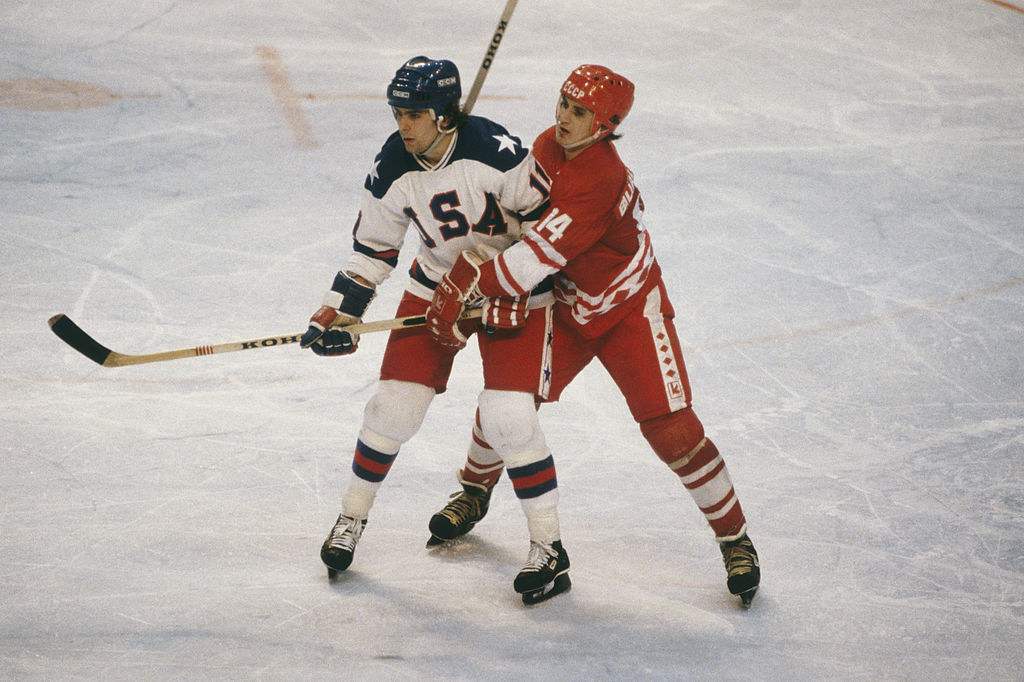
(591, 237)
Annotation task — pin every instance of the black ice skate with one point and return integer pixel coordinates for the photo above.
(339, 546)
(463, 511)
(742, 567)
(545, 574)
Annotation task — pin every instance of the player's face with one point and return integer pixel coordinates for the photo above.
(572, 121)
(417, 128)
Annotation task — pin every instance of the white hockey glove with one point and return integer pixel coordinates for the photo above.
(506, 312)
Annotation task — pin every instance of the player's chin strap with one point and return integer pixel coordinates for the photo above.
(441, 133)
(587, 141)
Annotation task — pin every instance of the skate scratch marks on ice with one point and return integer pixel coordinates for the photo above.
(863, 321)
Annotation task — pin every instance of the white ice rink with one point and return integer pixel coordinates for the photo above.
(836, 194)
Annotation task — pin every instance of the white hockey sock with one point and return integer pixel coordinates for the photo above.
(542, 521)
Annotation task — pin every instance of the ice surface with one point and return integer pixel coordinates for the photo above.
(836, 197)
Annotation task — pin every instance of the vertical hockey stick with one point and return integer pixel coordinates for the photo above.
(74, 336)
(492, 50)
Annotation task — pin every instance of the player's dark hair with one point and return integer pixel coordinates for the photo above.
(457, 116)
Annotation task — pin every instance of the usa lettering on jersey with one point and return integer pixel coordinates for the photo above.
(472, 200)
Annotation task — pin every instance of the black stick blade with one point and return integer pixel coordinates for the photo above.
(71, 334)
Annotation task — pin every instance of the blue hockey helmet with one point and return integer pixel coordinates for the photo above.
(424, 83)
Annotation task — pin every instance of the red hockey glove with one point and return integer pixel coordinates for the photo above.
(450, 297)
(506, 312)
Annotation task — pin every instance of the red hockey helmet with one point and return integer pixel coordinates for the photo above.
(606, 93)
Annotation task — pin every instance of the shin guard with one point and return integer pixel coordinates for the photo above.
(678, 439)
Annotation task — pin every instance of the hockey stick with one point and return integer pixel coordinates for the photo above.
(69, 332)
(492, 49)
(74, 336)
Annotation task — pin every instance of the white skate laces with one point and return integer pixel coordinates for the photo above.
(346, 533)
(542, 555)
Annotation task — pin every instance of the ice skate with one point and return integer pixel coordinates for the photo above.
(545, 574)
(742, 567)
(464, 509)
(339, 546)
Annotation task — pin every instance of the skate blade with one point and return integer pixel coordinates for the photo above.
(436, 544)
(434, 540)
(559, 585)
(747, 597)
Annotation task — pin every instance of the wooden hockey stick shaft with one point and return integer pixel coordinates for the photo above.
(492, 49)
(69, 332)
(74, 336)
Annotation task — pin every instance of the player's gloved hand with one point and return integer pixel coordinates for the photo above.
(505, 312)
(343, 305)
(456, 288)
(323, 339)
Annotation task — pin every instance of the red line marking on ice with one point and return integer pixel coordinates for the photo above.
(1007, 5)
(286, 96)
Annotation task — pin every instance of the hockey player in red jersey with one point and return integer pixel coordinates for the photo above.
(611, 305)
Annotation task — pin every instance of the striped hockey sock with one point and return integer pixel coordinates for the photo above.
(679, 441)
(483, 465)
(369, 468)
(371, 465)
(704, 474)
(536, 486)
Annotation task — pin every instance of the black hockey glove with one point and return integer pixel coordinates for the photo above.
(343, 305)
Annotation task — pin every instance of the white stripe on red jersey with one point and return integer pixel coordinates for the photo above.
(626, 283)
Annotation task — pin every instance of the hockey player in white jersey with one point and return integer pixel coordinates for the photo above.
(464, 184)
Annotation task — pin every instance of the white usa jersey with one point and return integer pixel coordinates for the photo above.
(473, 200)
